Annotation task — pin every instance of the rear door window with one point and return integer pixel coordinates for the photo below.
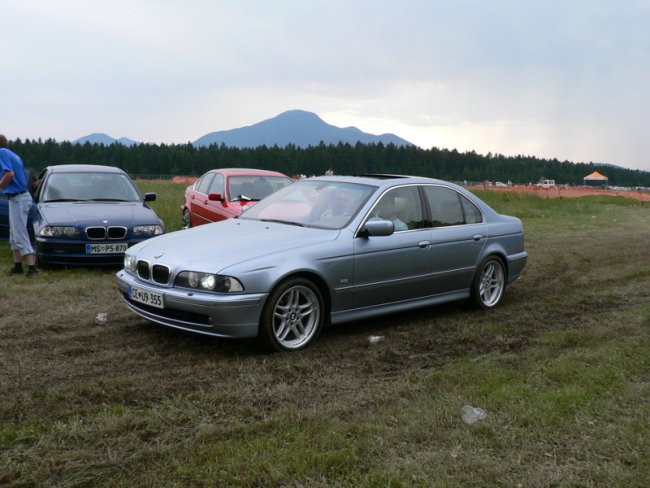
(444, 206)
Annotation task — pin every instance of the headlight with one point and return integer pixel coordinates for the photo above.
(130, 263)
(59, 231)
(148, 230)
(208, 282)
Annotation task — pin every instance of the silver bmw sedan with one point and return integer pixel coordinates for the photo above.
(322, 251)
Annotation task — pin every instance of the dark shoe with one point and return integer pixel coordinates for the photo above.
(15, 271)
(31, 272)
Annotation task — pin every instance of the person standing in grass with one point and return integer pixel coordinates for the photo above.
(14, 184)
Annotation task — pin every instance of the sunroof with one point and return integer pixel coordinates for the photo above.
(380, 176)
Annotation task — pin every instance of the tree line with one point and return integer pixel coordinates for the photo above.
(188, 160)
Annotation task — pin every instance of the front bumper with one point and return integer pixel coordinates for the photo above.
(66, 252)
(220, 315)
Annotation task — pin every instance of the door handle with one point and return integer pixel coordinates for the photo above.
(478, 237)
(424, 244)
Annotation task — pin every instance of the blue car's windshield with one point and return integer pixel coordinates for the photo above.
(312, 203)
(74, 187)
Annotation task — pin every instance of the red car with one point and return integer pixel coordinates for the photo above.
(224, 193)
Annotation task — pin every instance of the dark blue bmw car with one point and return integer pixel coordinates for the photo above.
(87, 214)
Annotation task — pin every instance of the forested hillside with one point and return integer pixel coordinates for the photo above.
(186, 159)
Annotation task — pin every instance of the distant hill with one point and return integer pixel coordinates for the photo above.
(296, 127)
(609, 165)
(99, 138)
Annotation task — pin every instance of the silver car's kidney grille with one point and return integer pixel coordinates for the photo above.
(116, 232)
(96, 232)
(160, 273)
(143, 270)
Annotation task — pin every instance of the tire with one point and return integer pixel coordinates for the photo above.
(489, 283)
(186, 221)
(293, 315)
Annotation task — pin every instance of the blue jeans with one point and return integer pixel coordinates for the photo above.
(18, 236)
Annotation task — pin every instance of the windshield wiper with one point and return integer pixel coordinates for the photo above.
(107, 200)
(278, 221)
(63, 200)
(239, 198)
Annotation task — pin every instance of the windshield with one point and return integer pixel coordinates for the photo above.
(252, 187)
(112, 187)
(313, 203)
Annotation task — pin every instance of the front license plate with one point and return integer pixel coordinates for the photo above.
(150, 298)
(108, 248)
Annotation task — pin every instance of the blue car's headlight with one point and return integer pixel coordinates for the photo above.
(130, 263)
(148, 230)
(208, 282)
(59, 231)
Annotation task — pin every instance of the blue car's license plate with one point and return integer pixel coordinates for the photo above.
(108, 248)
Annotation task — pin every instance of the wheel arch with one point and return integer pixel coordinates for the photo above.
(318, 281)
(292, 333)
(498, 252)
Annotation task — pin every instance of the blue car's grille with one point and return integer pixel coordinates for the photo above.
(116, 232)
(97, 233)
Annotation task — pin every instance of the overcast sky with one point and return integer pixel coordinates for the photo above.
(565, 79)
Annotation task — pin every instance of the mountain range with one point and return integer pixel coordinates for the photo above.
(296, 127)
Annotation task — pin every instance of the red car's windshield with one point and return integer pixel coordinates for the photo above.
(251, 187)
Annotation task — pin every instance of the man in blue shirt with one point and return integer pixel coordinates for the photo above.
(14, 184)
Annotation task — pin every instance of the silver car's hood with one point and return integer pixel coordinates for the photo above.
(214, 247)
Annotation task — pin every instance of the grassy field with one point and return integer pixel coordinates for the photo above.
(562, 369)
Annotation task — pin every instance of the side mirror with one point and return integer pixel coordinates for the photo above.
(215, 197)
(149, 197)
(377, 228)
